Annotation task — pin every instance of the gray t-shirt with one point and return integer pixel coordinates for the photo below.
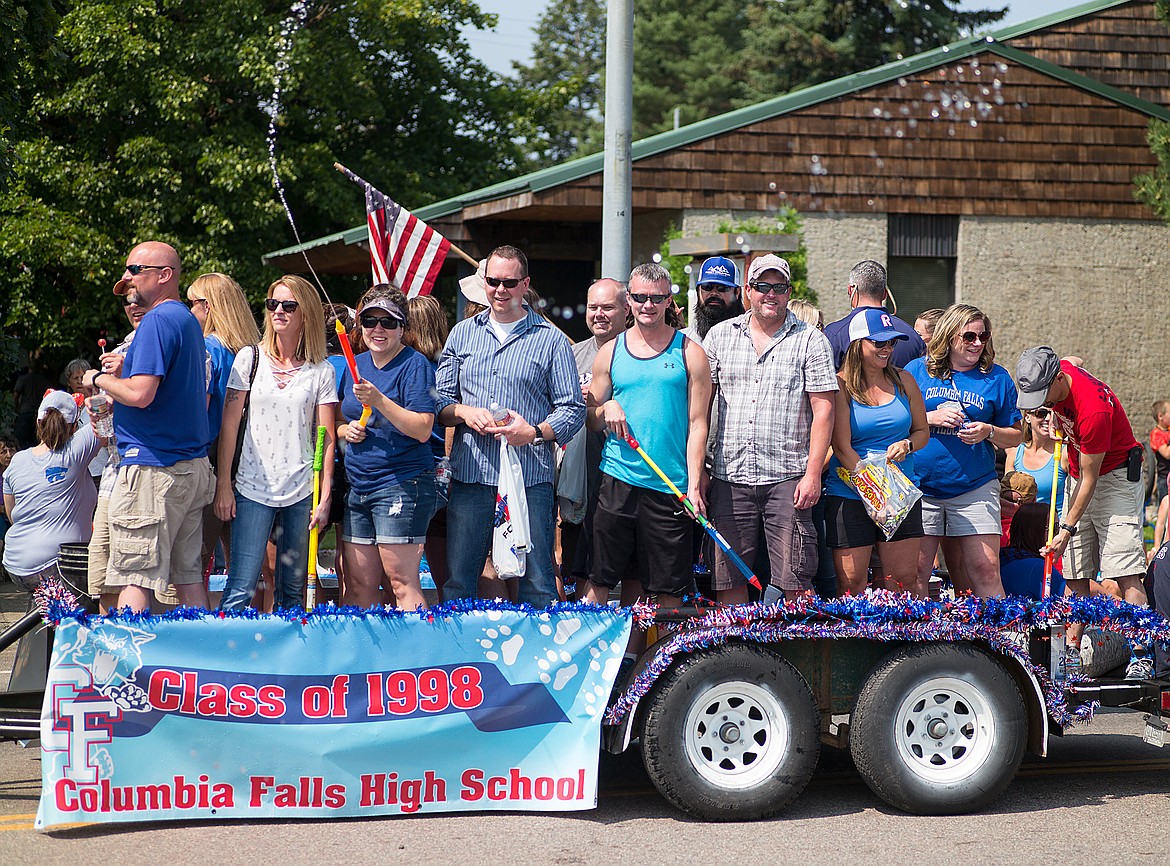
(55, 500)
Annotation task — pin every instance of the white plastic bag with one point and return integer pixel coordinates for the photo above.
(884, 488)
(511, 539)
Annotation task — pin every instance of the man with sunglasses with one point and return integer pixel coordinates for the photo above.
(509, 356)
(774, 384)
(1101, 527)
(652, 384)
(718, 299)
(868, 291)
(160, 422)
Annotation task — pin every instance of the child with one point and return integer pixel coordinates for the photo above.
(1160, 443)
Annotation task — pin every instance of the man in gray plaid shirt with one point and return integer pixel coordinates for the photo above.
(774, 381)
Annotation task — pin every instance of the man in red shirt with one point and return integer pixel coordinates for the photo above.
(1101, 528)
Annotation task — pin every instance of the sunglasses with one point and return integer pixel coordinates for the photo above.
(884, 344)
(287, 306)
(1040, 413)
(135, 270)
(970, 336)
(716, 287)
(496, 282)
(777, 288)
(389, 323)
(191, 302)
(641, 298)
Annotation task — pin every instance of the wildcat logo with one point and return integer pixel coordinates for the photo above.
(112, 655)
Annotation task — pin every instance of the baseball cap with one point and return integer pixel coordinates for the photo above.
(1035, 371)
(1020, 483)
(387, 306)
(720, 270)
(873, 324)
(120, 287)
(62, 402)
(768, 263)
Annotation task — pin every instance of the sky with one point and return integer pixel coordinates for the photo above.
(512, 38)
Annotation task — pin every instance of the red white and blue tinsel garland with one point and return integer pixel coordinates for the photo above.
(886, 616)
(877, 615)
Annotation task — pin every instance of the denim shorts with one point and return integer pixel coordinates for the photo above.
(392, 514)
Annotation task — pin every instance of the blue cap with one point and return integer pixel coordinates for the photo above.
(874, 324)
(718, 269)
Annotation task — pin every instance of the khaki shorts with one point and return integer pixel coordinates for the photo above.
(156, 524)
(99, 556)
(1109, 534)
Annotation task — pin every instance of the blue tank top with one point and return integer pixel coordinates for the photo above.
(1043, 477)
(653, 394)
(873, 429)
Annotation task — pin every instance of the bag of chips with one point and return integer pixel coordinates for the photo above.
(886, 491)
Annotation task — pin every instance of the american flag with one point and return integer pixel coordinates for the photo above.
(404, 251)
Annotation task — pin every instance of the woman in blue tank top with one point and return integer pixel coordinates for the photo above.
(1036, 453)
(879, 410)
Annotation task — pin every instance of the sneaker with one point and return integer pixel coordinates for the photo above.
(1139, 669)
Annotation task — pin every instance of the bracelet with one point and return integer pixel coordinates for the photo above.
(1071, 530)
(909, 445)
(93, 381)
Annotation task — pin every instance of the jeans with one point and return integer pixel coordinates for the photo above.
(471, 509)
(289, 527)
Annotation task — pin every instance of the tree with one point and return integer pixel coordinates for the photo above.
(803, 42)
(705, 57)
(566, 76)
(150, 122)
(26, 32)
(1153, 189)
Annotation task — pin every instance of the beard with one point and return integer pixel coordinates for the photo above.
(709, 315)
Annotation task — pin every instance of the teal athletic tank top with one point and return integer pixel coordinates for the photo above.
(653, 394)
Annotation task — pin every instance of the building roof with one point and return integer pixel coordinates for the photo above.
(995, 43)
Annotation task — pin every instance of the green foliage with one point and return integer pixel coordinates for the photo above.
(677, 266)
(786, 222)
(26, 32)
(149, 121)
(1153, 189)
(803, 42)
(565, 81)
(705, 57)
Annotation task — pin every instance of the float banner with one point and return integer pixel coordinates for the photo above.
(341, 714)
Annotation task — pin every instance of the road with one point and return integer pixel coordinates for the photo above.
(1102, 795)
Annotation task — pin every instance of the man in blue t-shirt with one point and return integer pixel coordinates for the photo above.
(159, 392)
(867, 291)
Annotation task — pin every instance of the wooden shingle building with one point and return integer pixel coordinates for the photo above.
(996, 171)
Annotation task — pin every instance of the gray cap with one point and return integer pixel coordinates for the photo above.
(60, 401)
(1035, 371)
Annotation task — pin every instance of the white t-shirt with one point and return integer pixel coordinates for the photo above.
(276, 463)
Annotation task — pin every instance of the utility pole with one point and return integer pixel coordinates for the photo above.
(617, 196)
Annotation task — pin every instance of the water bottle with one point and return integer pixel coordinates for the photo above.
(102, 413)
(443, 474)
(500, 415)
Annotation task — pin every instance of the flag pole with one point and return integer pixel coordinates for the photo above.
(454, 249)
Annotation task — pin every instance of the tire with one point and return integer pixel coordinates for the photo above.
(731, 734)
(939, 729)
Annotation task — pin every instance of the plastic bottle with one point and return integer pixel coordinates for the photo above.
(103, 414)
(500, 415)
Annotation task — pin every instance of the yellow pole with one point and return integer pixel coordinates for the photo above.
(1048, 557)
(315, 532)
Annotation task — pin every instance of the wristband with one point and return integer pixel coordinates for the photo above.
(1071, 530)
(93, 381)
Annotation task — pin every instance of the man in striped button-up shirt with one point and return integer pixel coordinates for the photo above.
(510, 356)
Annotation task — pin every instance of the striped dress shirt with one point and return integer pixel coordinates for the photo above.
(532, 372)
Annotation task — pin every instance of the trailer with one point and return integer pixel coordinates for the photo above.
(937, 702)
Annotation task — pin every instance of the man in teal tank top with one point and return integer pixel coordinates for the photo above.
(652, 384)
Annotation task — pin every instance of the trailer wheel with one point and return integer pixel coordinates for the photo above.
(939, 729)
(731, 735)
